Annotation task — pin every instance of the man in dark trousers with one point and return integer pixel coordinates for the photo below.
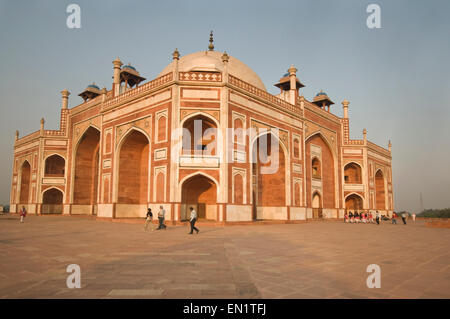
(193, 220)
(404, 218)
(161, 217)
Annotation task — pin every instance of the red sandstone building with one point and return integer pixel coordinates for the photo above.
(118, 153)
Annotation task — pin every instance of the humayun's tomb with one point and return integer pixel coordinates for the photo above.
(120, 150)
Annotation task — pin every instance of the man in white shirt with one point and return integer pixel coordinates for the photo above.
(404, 218)
(193, 220)
(161, 217)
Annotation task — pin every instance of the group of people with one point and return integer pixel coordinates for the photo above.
(362, 217)
(371, 218)
(161, 218)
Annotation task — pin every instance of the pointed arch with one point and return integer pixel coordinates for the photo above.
(333, 151)
(52, 201)
(209, 141)
(85, 168)
(380, 190)
(54, 165)
(201, 192)
(180, 184)
(195, 114)
(354, 201)
(326, 154)
(270, 189)
(132, 167)
(25, 182)
(316, 204)
(353, 173)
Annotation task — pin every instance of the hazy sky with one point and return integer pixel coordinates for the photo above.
(396, 78)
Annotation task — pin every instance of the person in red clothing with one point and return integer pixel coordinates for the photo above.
(23, 214)
(394, 218)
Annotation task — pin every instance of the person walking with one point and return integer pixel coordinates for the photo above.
(414, 217)
(404, 218)
(161, 217)
(394, 218)
(377, 217)
(192, 220)
(350, 216)
(149, 220)
(346, 217)
(23, 214)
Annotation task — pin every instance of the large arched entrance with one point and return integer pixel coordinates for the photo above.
(86, 172)
(269, 176)
(316, 205)
(353, 202)
(52, 201)
(25, 183)
(133, 169)
(320, 174)
(199, 192)
(380, 193)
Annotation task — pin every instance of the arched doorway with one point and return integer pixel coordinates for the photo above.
(133, 169)
(320, 172)
(380, 193)
(199, 136)
(269, 175)
(25, 183)
(353, 202)
(200, 192)
(55, 166)
(85, 186)
(316, 205)
(52, 201)
(352, 174)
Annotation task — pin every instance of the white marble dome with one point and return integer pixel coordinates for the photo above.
(212, 61)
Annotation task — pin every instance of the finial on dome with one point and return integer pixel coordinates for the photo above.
(17, 135)
(390, 146)
(225, 57)
(176, 54)
(211, 40)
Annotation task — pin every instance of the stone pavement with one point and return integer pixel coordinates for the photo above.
(310, 260)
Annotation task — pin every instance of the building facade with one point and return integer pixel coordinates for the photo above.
(204, 133)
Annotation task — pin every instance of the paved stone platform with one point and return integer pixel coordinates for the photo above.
(309, 260)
